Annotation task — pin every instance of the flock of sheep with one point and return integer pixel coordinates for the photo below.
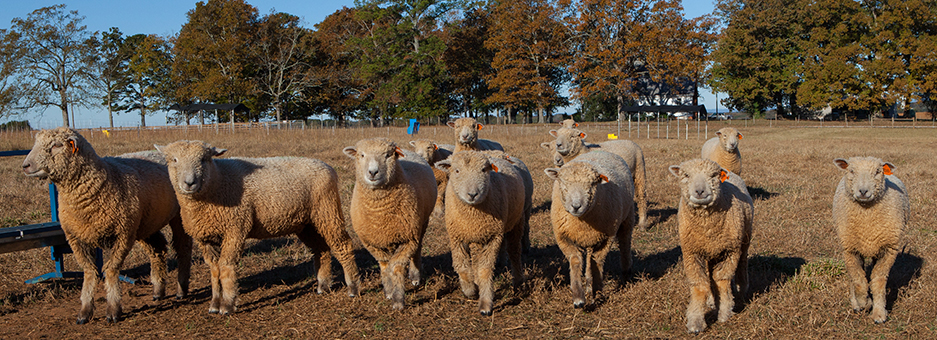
(484, 195)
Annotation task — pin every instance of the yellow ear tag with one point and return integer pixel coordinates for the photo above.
(887, 169)
(493, 167)
(74, 147)
(723, 176)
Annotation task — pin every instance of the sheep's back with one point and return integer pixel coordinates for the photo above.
(144, 180)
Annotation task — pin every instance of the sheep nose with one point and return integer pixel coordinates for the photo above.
(576, 206)
(372, 173)
(700, 192)
(863, 192)
(190, 182)
(472, 195)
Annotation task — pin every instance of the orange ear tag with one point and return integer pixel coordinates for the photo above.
(603, 177)
(740, 136)
(493, 167)
(575, 124)
(723, 176)
(582, 135)
(398, 151)
(74, 147)
(887, 169)
(435, 147)
(480, 126)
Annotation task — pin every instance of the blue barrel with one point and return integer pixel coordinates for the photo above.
(414, 127)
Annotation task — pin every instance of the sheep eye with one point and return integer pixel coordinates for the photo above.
(456, 171)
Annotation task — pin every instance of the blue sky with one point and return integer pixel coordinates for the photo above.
(165, 17)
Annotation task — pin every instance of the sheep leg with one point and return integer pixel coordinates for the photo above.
(698, 277)
(859, 287)
(84, 255)
(515, 248)
(182, 244)
(722, 274)
(588, 273)
(878, 284)
(597, 264)
(399, 264)
(574, 256)
(624, 236)
(321, 258)
(741, 272)
(155, 247)
(335, 236)
(640, 197)
(416, 264)
(111, 272)
(487, 258)
(462, 265)
(211, 252)
(230, 251)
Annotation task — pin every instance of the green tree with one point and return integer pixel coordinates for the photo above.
(145, 84)
(108, 68)
(55, 55)
(283, 51)
(213, 61)
(10, 59)
(532, 50)
(339, 92)
(468, 62)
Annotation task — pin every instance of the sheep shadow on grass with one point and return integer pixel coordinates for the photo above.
(663, 215)
(907, 267)
(655, 266)
(765, 272)
(760, 194)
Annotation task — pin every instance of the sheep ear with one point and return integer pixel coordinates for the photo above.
(582, 135)
(604, 178)
(841, 163)
(740, 135)
(451, 124)
(888, 167)
(718, 133)
(508, 158)
(675, 170)
(443, 165)
(553, 173)
(493, 167)
(553, 133)
(72, 141)
(218, 152)
(398, 152)
(159, 148)
(479, 126)
(723, 176)
(350, 151)
(412, 143)
(545, 145)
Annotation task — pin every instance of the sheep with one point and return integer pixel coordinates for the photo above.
(592, 202)
(111, 202)
(484, 211)
(870, 211)
(557, 157)
(570, 143)
(393, 198)
(466, 135)
(225, 201)
(715, 223)
(724, 149)
(432, 153)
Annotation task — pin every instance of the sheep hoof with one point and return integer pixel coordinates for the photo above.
(212, 311)
(82, 321)
(397, 306)
(486, 313)
(112, 319)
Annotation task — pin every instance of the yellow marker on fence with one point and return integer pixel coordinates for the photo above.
(106, 133)
(612, 136)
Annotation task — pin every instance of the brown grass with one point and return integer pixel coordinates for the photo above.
(797, 275)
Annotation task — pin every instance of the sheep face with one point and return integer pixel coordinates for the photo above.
(729, 138)
(425, 148)
(568, 141)
(557, 158)
(700, 181)
(190, 165)
(569, 124)
(865, 177)
(469, 175)
(375, 161)
(577, 183)
(54, 151)
(466, 130)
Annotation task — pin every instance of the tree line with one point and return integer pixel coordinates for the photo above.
(495, 59)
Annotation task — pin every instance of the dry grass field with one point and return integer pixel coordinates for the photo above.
(798, 280)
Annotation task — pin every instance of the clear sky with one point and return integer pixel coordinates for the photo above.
(166, 17)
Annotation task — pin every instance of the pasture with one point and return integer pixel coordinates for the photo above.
(798, 279)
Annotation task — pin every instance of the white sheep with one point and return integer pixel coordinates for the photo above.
(592, 203)
(432, 153)
(557, 157)
(466, 135)
(109, 203)
(390, 207)
(715, 222)
(724, 149)
(524, 172)
(226, 201)
(570, 143)
(569, 124)
(870, 212)
(484, 210)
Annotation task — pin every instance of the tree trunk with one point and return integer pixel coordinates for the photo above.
(620, 100)
(110, 112)
(142, 116)
(65, 115)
